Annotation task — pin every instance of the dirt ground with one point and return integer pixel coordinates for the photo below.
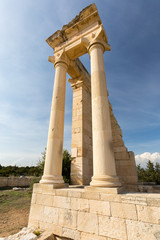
(14, 211)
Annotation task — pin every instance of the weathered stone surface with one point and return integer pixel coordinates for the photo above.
(61, 192)
(68, 218)
(142, 231)
(110, 197)
(88, 236)
(140, 199)
(75, 193)
(36, 211)
(112, 227)
(80, 204)
(100, 207)
(87, 222)
(123, 210)
(99, 215)
(91, 195)
(61, 202)
(148, 214)
(51, 215)
(70, 233)
(153, 200)
(45, 199)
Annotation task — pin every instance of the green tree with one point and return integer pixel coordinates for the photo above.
(140, 173)
(66, 167)
(157, 173)
(150, 174)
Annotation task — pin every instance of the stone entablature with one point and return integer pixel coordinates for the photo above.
(77, 214)
(76, 37)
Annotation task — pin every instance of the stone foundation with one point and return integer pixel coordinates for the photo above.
(74, 213)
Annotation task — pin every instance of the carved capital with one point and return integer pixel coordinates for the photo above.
(59, 57)
(79, 82)
(97, 39)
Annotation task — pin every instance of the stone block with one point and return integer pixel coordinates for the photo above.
(153, 200)
(51, 214)
(36, 211)
(37, 188)
(45, 199)
(61, 202)
(74, 152)
(61, 192)
(110, 197)
(123, 210)
(131, 155)
(80, 152)
(34, 195)
(142, 231)
(68, 218)
(87, 222)
(118, 155)
(114, 190)
(148, 214)
(80, 204)
(70, 233)
(119, 149)
(112, 227)
(76, 193)
(100, 207)
(32, 222)
(43, 188)
(91, 195)
(88, 236)
(139, 199)
(54, 228)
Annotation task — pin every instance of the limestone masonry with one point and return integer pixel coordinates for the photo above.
(76, 214)
(99, 210)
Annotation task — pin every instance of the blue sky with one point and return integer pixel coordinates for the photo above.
(26, 77)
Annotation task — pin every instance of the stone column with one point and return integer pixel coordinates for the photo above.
(104, 171)
(53, 162)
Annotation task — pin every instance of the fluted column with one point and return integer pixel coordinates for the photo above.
(53, 162)
(104, 171)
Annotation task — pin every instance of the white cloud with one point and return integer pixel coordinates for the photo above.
(144, 157)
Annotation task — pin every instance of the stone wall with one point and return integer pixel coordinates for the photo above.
(15, 181)
(81, 149)
(125, 160)
(77, 214)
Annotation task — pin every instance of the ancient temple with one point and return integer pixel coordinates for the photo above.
(101, 209)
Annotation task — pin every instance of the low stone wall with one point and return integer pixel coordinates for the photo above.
(148, 188)
(75, 213)
(15, 181)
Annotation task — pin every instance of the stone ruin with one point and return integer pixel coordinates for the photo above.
(107, 161)
(101, 210)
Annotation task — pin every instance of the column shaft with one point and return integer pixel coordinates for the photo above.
(54, 154)
(104, 171)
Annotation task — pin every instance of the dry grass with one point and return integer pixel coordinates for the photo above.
(14, 211)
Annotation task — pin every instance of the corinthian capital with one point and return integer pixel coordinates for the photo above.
(59, 57)
(97, 37)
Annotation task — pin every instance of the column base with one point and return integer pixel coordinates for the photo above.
(55, 181)
(105, 181)
(113, 190)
